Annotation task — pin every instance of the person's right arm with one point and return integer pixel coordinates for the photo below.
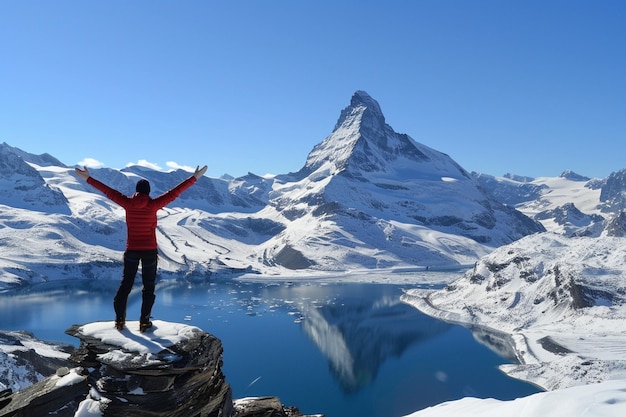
(82, 173)
(111, 193)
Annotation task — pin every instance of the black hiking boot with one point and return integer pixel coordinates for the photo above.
(144, 326)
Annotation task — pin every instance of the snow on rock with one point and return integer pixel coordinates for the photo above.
(130, 338)
(562, 301)
(88, 408)
(69, 377)
(570, 204)
(135, 346)
(265, 406)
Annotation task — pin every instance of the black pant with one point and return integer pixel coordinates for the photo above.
(132, 258)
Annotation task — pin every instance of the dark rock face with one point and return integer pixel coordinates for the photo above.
(181, 380)
(617, 225)
(612, 194)
(575, 222)
(47, 397)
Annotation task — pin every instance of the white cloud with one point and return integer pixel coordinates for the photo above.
(90, 163)
(174, 166)
(146, 164)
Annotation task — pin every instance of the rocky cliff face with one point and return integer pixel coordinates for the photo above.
(173, 370)
(573, 221)
(613, 195)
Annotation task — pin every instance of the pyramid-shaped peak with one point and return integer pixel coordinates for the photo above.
(362, 104)
(361, 99)
(362, 142)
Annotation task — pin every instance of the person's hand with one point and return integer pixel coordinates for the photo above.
(82, 173)
(199, 171)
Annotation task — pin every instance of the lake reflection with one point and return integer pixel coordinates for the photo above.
(364, 330)
(337, 349)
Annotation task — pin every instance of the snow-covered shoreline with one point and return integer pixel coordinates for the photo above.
(397, 276)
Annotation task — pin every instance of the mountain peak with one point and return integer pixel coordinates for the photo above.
(362, 142)
(361, 105)
(361, 99)
(42, 160)
(571, 175)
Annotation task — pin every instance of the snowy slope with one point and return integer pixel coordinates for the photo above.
(21, 186)
(607, 399)
(560, 302)
(568, 204)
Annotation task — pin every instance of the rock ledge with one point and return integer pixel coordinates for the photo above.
(173, 370)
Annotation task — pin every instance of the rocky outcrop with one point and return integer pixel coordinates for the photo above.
(612, 196)
(616, 226)
(184, 379)
(573, 221)
(265, 407)
(173, 370)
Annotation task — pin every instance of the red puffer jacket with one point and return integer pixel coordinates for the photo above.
(141, 212)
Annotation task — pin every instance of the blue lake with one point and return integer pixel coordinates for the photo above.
(338, 349)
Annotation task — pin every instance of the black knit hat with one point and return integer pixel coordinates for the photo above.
(143, 187)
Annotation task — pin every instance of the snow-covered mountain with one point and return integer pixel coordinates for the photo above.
(569, 204)
(25, 359)
(367, 197)
(21, 186)
(559, 302)
(370, 197)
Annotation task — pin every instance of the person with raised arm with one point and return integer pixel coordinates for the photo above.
(141, 243)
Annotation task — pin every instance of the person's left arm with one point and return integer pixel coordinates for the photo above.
(174, 193)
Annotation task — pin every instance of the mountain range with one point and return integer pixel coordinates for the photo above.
(367, 198)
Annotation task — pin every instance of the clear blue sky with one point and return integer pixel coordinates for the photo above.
(531, 87)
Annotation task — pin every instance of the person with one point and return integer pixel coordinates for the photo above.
(141, 243)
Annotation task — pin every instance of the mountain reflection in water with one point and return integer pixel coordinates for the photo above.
(361, 333)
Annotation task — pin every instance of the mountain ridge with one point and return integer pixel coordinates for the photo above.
(366, 198)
